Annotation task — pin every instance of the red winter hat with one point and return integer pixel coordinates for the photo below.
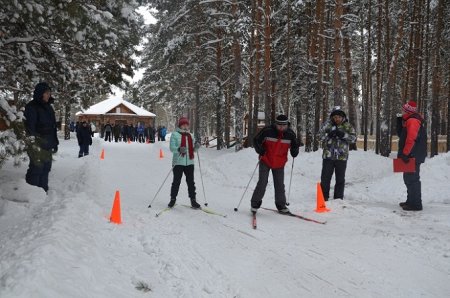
(183, 121)
(410, 107)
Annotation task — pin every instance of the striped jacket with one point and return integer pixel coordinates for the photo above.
(273, 146)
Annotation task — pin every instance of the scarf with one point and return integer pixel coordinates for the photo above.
(184, 136)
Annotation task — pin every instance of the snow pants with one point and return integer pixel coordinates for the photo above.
(414, 187)
(84, 150)
(108, 136)
(260, 190)
(177, 175)
(39, 168)
(337, 167)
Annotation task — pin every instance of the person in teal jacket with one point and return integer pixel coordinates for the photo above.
(182, 147)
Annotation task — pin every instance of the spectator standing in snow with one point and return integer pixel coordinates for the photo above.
(108, 131)
(159, 133)
(93, 129)
(182, 147)
(412, 144)
(41, 124)
(140, 131)
(84, 138)
(131, 132)
(163, 133)
(125, 132)
(336, 135)
(117, 130)
(272, 144)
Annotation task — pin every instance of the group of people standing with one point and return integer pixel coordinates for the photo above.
(272, 144)
(124, 133)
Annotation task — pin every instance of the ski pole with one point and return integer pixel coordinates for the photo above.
(150, 206)
(253, 174)
(201, 177)
(290, 183)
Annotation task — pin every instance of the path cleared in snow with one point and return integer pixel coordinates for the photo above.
(62, 245)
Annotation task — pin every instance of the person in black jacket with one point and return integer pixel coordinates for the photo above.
(40, 123)
(84, 139)
(272, 144)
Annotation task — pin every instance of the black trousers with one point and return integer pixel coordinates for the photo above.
(108, 136)
(260, 190)
(414, 187)
(84, 150)
(38, 169)
(328, 168)
(177, 175)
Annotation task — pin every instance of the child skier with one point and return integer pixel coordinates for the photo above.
(182, 147)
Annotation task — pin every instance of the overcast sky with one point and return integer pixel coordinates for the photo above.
(148, 19)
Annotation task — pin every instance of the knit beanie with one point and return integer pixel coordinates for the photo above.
(183, 121)
(410, 107)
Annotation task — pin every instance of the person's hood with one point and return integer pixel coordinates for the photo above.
(39, 91)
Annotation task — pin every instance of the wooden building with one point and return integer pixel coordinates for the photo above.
(116, 111)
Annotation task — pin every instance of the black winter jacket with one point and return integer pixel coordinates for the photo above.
(41, 123)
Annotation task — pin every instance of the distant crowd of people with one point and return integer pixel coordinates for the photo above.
(123, 133)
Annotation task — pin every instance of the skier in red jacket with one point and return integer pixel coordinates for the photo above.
(272, 144)
(412, 144)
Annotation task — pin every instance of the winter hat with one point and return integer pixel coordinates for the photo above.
(410, 107)
(282, 120)
(183, 121)
(40, 89)
(338, 111)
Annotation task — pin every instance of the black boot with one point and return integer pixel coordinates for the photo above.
(402, 204)
(171, 203)
(412, 208)
(194, 204)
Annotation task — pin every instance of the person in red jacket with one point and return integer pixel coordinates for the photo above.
(412, 144)
(272, 144)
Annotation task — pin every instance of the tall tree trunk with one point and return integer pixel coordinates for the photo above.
(448, 109)
(379, 83)
(67, 121)
(389, 90)
(251, 78)
(425, 99)
(220, 96)
(288, 60)
(416, 51)
(267, 63)
(319, 62)
(257, 83)
(238, 100)
(436, 79)
(227, 117)
(337, 86)
(349, 76)
(368, 76)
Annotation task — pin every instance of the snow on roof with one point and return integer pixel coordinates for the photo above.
(105, 106)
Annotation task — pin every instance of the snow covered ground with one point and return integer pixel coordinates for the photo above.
(62, 245)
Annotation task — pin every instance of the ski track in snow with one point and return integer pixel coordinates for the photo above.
(62, 245)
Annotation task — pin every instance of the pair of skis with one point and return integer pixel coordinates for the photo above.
(206, 210)
(254, 224)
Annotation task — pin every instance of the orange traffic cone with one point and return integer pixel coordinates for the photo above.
(102, 156)
(129, 141)
(321, 207)
(147, 141)
(161, 154)
(115, 212)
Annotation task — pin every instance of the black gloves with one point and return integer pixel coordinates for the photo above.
(340, 134)
(336, 133)
(332, 134)
(403, 157)
(182, 150)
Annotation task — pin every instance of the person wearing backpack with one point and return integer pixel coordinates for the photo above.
(412, 144)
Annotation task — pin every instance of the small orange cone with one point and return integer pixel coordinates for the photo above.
(115, 212)
(129, 141)
(102, 156)
(161, 154)
(321, 207)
